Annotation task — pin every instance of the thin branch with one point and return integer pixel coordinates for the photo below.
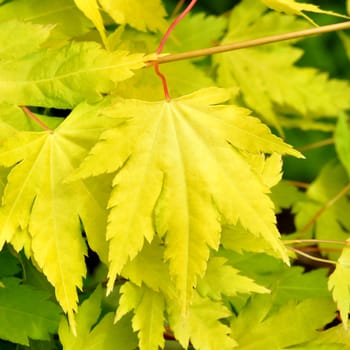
(311, 257)
(313, 241)
(164, 40)
(31, 115)
(331, 202)
(298, 184)
(250, 43)
(317, 144)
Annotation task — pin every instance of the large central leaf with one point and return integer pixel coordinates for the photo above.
(182, 168)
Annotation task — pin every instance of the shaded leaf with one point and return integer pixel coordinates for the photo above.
(222, 279)
(148, 318)
(202, 325)
(94, 332)
(252, 328)
(342, 141)
(291, 7)
(339, 285)
(26, 313)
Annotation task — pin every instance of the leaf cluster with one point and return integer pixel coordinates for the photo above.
(129, 220)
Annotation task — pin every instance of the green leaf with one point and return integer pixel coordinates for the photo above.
(334, 222)
(148, 268)
(9, 265)
(94, 332)
(63, 14)
(222, 279)
(306, 92)
(148, 319)
(37, 200)
(339, 285)
(291, 7)
(293, 324)
(342, 141)
(26, 313)
(202, 325)
(145, 15)
(66, 76)
(205, 30)
(164, 175)
(29, 38)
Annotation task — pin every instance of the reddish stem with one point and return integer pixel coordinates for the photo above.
(164, 40)
(31, 115)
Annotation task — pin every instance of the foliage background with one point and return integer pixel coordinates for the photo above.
(30, 315)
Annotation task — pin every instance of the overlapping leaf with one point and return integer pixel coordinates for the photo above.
(66, 76)
(252, 328)
(63, 14)
(142, 15)
(148, 319)
(339, 285)
(221, 279)
(264, 86)
(292, 7)
(29, 37)
(181, 167)
(202, 325)
(26, 313)
(38, 203)
(95, 332)
(334, 222)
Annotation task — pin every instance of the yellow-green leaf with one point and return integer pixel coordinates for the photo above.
(142, 15)
(307, 93)
(148, 319)
(291, 7)
(91, 10)
(95, 332)
(339, 284)
(222, 279)
(37, 200)
(202, 325)
(181, 168)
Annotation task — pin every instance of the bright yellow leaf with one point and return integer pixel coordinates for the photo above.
(181, 170)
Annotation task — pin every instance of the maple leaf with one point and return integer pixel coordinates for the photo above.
(308, 317)
(142, 15)
(67, 20)
(342, 144)
(338, 284)
(333, 223)
(26, 313)
(66, 76)
(180, 169)
(28, 39)
(224, 279)
(96, 332)
(307, 94)
(91, 10)
(38, 202)
(148, 319)
(202, 324)
(291, 7)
